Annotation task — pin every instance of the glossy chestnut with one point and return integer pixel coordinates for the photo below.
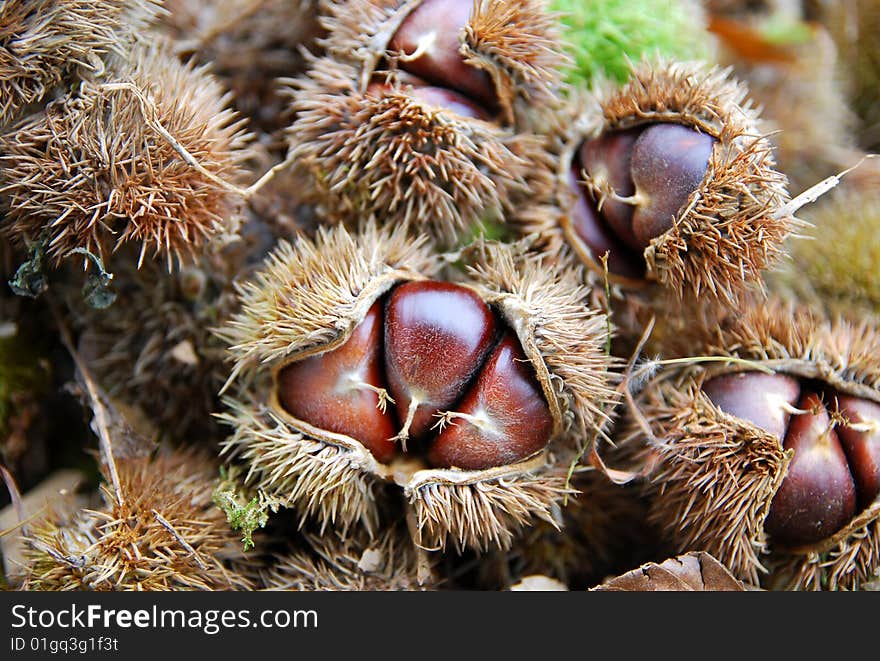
(463, 398)
(437, 335)
(637, 182)
(429, 41)
(340, 390)
(833, 473)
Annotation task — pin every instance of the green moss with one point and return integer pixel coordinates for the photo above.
(602, 35)
(243, 514)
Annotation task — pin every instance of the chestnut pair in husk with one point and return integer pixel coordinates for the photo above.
(771, 462)
(362, 375)
(669, 175)
(419, 111)
(447, 361)
(631, 185)
(834, 471)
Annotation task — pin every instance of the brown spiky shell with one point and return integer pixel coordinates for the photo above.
(311, 297)
(602, 531)
(729, 230)
(390, 155)
(515, 42)
(161, 532)
(152, 348)
(399, 159)
(712, 476)
(249, 45)
(337, 562)
(92, 171)
(47, 43)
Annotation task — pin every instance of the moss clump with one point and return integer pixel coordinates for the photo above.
(602, 36)
(242, 514)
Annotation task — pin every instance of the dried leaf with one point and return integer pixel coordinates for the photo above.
(691, 572)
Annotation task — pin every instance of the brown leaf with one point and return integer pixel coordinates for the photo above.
(691, 572)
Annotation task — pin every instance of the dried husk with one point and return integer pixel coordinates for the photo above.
(405, 161)
(399, 159)
(516, 43)
(49, 43)
(712, 476)
(92, 172)
(691, 572)
(249, 44)
(729, 230)
(600, 532)
(335, 562)
(334, 477)
(161, 532)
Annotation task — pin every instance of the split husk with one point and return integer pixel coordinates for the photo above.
(712, 476)
(161, 531)
(730, 229)
(387, 153)
(92, 171)
(311, 297)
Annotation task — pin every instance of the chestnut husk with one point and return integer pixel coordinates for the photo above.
(161, 531)
(60, 43)
(731, 228)
(386, 153)
(711, 477)
(333, 478)
(333, 561)
(128, 183)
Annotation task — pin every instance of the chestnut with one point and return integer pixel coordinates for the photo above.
(501, 419)
(439, 97)
(493, 380)
(428, 43)
(606, 162)
(762, 448)
(765, 400)
(682, 189)
(437, 335)
(817, 497)
(642, 177)
(424, 112)
(343, 390)
(833, 471)
(859, 434)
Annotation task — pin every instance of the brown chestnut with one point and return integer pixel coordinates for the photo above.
(503, 418)
(429, 41)
(607, 162)
(669, 161)
(765, 400)
(437, 335)
(590, 228)
(818, 496)
(859, 435)
(643, 176)
(342, 390)
(834, 457)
